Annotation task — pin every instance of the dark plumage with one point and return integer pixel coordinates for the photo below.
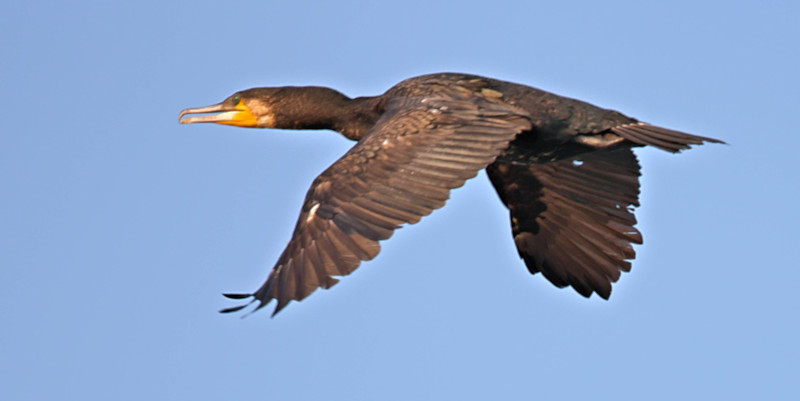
(564, 168)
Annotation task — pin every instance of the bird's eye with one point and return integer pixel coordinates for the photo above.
(236, 99)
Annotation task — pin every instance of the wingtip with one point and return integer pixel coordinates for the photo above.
(261, 304)
(279, 307)
(237, 296)
(233, 309)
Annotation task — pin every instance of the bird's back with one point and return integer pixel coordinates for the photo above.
(554, 117)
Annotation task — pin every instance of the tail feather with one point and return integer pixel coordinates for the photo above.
(662, 138)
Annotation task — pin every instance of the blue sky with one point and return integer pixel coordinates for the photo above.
(119, 228)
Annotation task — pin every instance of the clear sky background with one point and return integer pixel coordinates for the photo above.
(120, 228)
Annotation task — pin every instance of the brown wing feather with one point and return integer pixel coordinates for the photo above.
(572, 218)
(403, 169)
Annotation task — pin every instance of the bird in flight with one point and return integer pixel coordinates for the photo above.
(564, 168)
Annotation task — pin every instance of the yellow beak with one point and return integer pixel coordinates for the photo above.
(239, 115)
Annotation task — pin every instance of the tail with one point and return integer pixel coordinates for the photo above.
(662, 138)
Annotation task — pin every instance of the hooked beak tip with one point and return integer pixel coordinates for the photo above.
(184, 112)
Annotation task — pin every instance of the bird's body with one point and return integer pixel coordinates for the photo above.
(564, 168)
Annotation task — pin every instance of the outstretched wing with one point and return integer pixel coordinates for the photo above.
(403, 169)
(572, 219)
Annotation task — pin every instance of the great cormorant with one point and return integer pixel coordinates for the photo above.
(564, 168)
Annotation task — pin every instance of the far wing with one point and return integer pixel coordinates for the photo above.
(403, 169)
(572, 219)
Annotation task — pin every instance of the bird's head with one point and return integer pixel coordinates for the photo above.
(242, 109)
(307, 107)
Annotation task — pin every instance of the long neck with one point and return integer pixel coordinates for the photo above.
(325, 108)
(358, 116)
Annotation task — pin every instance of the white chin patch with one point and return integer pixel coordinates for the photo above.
(267, 120)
